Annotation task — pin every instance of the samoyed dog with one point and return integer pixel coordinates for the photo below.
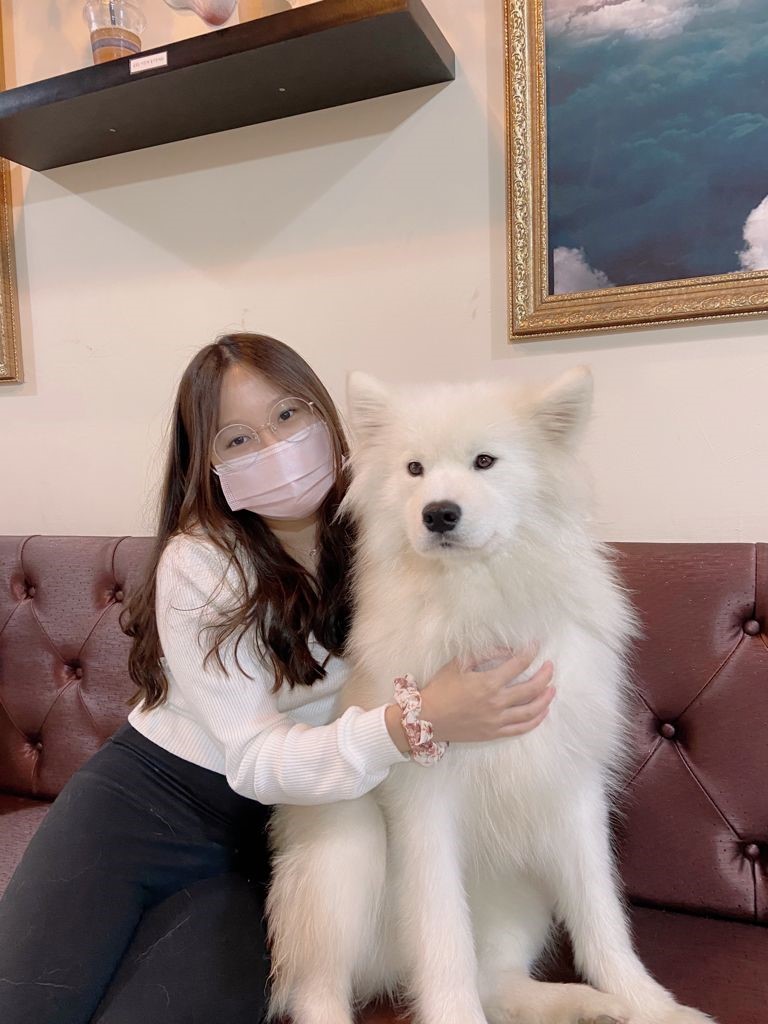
(441, 886)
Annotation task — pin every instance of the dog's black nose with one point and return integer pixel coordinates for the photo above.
(441, 516)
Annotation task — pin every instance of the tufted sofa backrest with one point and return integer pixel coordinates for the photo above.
(64, 680)
(694, 833)
(696, 830)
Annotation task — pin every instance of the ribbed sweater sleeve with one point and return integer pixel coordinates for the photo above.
(267, 756)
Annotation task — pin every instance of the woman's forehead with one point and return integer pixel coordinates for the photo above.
(245, 395)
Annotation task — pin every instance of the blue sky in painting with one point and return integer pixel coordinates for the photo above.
(658, 138)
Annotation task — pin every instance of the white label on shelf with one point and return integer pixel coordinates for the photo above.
(154, 60)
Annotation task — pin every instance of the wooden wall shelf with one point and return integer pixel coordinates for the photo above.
(322, 55)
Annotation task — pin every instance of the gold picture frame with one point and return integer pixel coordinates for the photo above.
(10, 342)
(533, 311)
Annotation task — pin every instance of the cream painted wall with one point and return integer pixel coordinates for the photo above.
(368, 236)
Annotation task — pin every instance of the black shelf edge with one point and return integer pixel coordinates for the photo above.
(308, 58)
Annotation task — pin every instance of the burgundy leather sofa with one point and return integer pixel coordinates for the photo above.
(694, 831)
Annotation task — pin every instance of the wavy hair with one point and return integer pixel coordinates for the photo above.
(282, 603)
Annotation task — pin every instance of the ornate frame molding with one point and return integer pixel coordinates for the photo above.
(10, 340)
(533, 312)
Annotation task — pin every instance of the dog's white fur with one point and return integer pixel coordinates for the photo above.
(442, 884)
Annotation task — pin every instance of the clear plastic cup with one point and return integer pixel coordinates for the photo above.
(115, 27)
(250, 10)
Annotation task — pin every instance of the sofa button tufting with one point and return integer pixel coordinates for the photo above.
(752, 627)
(38, 746)
(752, 850)
(31, 590)
(668, 731)
(79, 672)
(119, 595)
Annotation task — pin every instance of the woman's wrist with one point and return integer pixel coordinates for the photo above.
(425, 749)
(393, 718)
(429, 712)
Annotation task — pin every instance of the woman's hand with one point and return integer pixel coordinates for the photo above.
(466, 705)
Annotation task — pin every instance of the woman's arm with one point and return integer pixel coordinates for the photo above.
(268, 756)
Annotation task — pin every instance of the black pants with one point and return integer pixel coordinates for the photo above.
(139, 899)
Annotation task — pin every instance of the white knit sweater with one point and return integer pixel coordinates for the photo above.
(275, 748)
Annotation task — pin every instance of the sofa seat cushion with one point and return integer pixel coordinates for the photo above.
(709, 963)
(713, 964)
(19, 818)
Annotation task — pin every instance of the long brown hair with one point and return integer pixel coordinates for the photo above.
(282, 603)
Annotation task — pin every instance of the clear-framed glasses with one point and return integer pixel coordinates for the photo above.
(288, 420)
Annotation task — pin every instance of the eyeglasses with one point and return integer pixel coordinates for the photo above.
(286, 420)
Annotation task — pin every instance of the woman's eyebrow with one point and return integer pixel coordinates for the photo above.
(232, 423)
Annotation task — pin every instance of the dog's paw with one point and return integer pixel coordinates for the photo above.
(589, 1006)
(603, 1019)
(546, 1003)
(675, 1014)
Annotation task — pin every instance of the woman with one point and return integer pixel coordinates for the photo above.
(141, 893)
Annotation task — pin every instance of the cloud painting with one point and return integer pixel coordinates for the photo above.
(657, 139)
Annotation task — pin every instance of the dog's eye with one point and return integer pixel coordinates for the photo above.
(484, 461)
(415, 469)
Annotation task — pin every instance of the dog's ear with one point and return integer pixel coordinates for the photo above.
(368, 403)
(562, 411)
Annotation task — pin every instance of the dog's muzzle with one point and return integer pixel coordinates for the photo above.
(441, 516)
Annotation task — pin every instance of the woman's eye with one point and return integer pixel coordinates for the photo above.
(237, 441)
(286, 415)
(415, 469)
(484, 461)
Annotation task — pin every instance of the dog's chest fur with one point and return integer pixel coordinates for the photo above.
(411, 621)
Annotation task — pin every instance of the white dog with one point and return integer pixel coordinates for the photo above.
(441, 886)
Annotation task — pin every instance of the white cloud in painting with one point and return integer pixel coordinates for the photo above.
(641, 19)
(574, 274)
(755, 255)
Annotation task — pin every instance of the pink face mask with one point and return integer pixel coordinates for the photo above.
(287, 480)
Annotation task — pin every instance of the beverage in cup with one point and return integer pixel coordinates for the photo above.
(115, 27)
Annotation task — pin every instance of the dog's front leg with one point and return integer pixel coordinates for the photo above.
(587, 889)
(323, 907)
(434, 923)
